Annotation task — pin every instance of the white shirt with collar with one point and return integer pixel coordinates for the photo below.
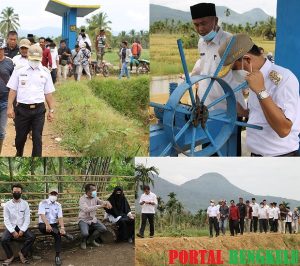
(255, 209)
(16, 213)
(262, 213)
(271, 212)
(285, 95)
(213, 211)
(288, 218)
(54, 56)
(207, 65)
(52, 211)
(19, 61)
(148, 208)
(30, 84)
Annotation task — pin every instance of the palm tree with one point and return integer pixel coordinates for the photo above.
(144, 175)
(96, 22)
(269, 28)
(9, 20)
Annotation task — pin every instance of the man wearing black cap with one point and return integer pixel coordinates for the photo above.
(211, 38)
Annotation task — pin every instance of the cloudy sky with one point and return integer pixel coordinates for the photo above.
(240, 6)
(263, 176)
(124, 15)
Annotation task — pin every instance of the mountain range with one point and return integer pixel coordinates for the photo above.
(158, 12)
(196, 194)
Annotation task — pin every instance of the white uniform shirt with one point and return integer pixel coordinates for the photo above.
(288, 218)
(54, 56)
(76, 57)
(81, 40)
(31, 84)
(19, 61)
(255, 208)
(213, 211)
(276, 213)
(148, 208)
(272, 212)
(286, 96)
(207, 65)
(52, 211)
(262, 213)
(16, 214)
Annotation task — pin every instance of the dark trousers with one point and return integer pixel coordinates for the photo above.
(91, 231)
(54, 75)
(150, 218)
(213, 223)
(275, 225)
(263, 225)
(26, 120)
(242, 225)
(234, 227)
(253, 226)
(7, 237)
(126, 228)
(55, 233)
(289, 226)
(271, 224)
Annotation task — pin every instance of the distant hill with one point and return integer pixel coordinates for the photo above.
(158, 12)
(196, 194)
(42, 32)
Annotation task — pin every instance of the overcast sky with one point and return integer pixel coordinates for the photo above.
(124, 15)
(261, 176)
(240, 6)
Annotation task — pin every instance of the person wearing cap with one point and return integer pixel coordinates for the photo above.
(22, 59)
(234, 216)
(31, 85)
(90, 227)
(83, 37)
(242, 210)
(224, 213)
(255, 209)
(274, 102)
(64, 53)
(212, 37)
(100, 45)
(46, 59)
(248, 217)
(84, 62)
(16, 219)
(30, 37)
(6, 69)
(51, 221)
(213, 216)
(12, 48)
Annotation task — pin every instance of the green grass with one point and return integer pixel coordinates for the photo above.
(165, 58)
(128, 96)
(91, 127)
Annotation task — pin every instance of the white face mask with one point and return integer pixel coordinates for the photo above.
(34, 64)
(52, 198)
(240, 75)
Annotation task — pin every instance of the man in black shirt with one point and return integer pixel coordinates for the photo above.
(12, 48)
(64, 54)
(242, 209)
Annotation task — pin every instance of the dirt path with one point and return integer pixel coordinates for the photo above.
(154, 251)
(106, 255)
(50, 146)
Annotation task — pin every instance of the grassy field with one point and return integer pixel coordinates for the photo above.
(165, 58)
(91, 126)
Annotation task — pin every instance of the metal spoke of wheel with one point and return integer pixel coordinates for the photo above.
(243, 85)
(167, 149)
(212, 141)
(218, 100)
(182, 130)
(243, 124)
(193, 140)
(207, 90)
(225, 120)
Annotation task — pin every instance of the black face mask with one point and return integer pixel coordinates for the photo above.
(16, 195)
(83, 35)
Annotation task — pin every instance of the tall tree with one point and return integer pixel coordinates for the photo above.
(9, 20)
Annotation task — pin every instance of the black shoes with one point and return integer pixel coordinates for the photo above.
(139, 235)
(57, 261)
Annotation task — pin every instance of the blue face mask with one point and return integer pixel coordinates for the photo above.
(94, 194)
(208, 37)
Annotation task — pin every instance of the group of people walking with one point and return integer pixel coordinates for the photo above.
(251, 217)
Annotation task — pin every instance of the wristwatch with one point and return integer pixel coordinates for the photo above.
(51, 110)
(263, 95)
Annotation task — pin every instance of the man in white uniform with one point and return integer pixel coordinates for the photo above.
(16, 220)
(255, 209)
(31, 85)
(148, 201)
(213, 216)
(274, 101)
